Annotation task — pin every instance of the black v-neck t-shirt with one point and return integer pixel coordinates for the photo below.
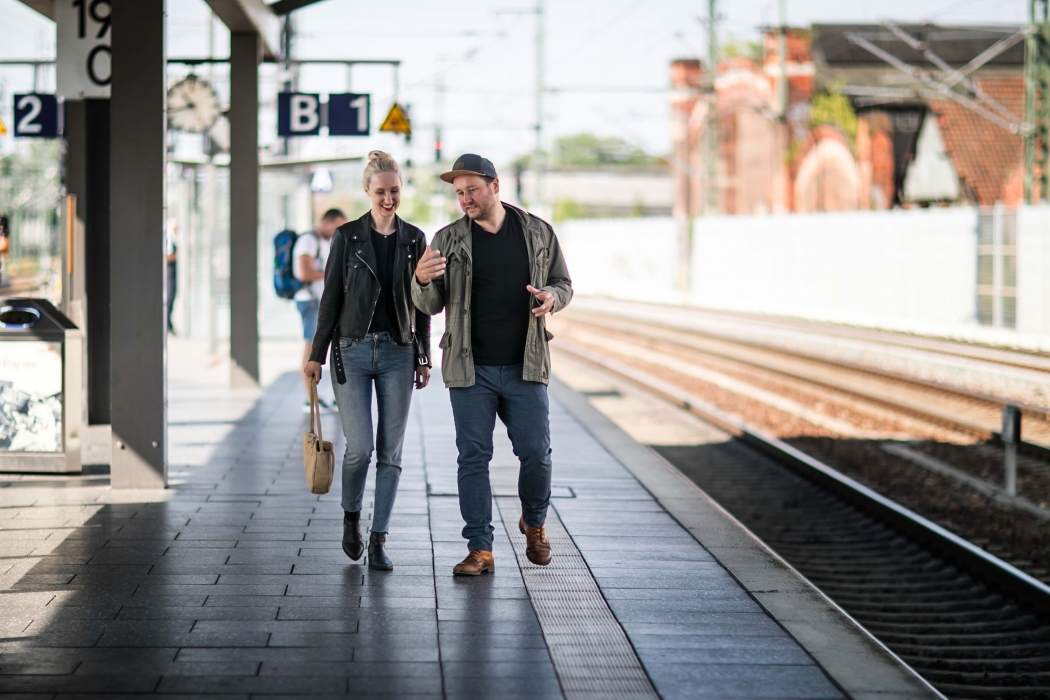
(499, 302)
(385, 316)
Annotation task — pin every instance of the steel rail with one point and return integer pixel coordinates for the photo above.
(947, 544)
(927, 414)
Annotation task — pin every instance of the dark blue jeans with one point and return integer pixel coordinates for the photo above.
(523, 408)
(391, 367)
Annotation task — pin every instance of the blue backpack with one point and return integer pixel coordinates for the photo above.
(284, 280)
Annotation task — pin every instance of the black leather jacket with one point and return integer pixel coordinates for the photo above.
(351, 288)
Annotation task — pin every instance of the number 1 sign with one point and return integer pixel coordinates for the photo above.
(348, 114)
(84, 57)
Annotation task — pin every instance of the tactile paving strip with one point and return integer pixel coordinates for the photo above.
(590, 651)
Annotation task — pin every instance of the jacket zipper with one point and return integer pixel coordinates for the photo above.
(374, 301)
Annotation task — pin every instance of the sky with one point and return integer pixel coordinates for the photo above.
(607, 60)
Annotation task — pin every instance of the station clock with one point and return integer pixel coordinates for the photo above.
(193, 105)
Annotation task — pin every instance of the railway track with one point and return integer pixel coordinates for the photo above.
(965, 411)
(973, 625)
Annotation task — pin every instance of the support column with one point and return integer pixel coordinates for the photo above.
(87, 176)
(245, 53)
(96, 254)
(137, 180)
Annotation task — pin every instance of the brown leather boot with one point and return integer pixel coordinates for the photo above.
(477, 562)
(537, 548)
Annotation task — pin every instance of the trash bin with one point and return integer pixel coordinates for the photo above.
(41, 388)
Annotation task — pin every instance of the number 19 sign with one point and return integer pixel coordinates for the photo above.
(84, 57)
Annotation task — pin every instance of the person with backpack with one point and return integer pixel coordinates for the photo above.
(309, 257)
(378, 339)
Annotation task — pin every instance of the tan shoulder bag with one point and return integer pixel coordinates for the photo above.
(318, 455)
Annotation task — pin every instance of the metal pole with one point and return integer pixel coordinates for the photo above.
(782, 50)
(711, 127)
(211, 217)
(1011, 470)
(1044, 102)
(1011, 435)
(138, 335)
(998, 234)
(439, 115)
(539, 165)
(1037, 102)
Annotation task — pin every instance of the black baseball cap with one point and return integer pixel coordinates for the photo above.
(470, 164)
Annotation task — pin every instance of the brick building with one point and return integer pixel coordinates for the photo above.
(857, 132)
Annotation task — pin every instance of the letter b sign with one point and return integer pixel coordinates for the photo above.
(298, 114)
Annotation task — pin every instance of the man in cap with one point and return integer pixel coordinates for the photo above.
(496, 273)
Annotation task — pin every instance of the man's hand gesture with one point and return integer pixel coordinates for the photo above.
(546, 300)
(431, 265)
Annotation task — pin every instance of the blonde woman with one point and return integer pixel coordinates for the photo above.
(378, 338)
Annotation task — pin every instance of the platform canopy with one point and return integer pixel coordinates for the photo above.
(239, 15)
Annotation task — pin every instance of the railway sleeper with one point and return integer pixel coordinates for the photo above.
(969, 692)
(906, 568)
(1041, 634)
(903, 588)
(1027, 665)
(918, 617)
(961, 628)
(875, 577)
(989, 603)
(964, 651)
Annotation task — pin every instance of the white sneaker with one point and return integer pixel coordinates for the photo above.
(306, 407)
(327, 407)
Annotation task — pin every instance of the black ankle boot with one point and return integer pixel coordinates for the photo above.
(377, 558)
(353, 542)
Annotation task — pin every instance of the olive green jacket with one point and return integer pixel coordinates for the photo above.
(451, 293)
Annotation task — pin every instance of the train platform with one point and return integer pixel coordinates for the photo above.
(232, 582)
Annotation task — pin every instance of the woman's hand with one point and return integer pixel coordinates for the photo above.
(422, 376)
(312, 371)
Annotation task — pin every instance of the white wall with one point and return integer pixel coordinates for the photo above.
(913, 271)
(624, 258)
(1033, 270)
(896, 268)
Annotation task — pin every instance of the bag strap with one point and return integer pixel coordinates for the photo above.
(314, 408)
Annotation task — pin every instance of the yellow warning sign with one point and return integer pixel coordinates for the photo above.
(3, 129)
(397, 121)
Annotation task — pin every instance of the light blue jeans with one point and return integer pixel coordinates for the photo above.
(391, 367)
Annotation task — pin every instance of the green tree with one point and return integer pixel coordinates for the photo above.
(589, 150)
(741, 48)
(567, 209)
(833, 108)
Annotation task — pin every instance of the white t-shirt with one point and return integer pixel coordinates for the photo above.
(317, 247)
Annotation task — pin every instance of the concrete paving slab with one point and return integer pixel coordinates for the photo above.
(232, 583)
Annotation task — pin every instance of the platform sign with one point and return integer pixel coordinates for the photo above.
(348, 114)
(303, 114)
(397, 121)
(84, 59)
(298, 114)
(36, 117)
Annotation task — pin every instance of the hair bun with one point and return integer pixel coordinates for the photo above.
(377, 155)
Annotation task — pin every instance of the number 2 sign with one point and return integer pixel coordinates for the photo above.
(84, 57)
(36, 117)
